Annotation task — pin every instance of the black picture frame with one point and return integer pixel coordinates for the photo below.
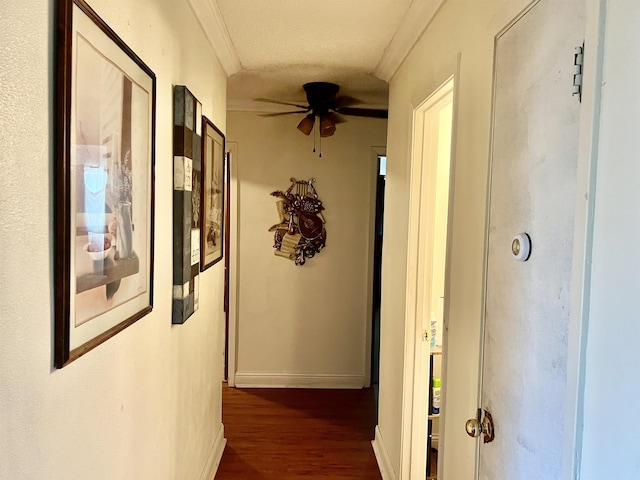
(212, 206)
(104, 183)
(187, 217)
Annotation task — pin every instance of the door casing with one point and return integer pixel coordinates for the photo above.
(419, 263)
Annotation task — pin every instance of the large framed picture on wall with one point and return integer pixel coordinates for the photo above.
(104, 192)
(212, 193)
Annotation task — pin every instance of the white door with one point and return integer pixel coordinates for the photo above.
(532, 191)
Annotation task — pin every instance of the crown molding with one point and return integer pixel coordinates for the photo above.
(414, 23)
(210, 18)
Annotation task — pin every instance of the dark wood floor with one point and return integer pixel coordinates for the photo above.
(282, 434)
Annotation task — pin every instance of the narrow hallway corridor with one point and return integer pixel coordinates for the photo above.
(282, 434)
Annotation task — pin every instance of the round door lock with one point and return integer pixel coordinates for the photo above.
(521, 247)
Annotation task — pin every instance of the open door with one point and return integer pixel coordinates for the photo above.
(532, 201)
(431, 178)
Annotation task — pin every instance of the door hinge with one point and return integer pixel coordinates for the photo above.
(578, 63)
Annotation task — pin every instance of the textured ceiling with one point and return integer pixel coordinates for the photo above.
(340, 33)
(282, 44)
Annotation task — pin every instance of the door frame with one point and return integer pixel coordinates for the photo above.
(416, 366)
(231, 346)
(588, 147)
(375, 153)
(227, 259)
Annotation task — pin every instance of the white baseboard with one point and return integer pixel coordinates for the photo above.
(278, 380)
(215, 455)
(382, 456)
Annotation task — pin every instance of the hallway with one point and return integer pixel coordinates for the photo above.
(285, 434)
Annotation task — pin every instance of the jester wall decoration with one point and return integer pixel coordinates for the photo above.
(300, 233)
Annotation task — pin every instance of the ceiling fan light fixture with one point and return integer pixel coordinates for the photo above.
(306, 124)
(324, 102)
(327, 127)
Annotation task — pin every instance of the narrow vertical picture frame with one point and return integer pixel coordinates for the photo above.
(212, 194)
(104, 183)
(187, 216)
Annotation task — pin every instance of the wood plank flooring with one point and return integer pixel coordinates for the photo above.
(282, 434)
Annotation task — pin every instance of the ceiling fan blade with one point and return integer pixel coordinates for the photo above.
(277, 114)
(279, 102)
(345, 101)
(335, 118)
(363, 112)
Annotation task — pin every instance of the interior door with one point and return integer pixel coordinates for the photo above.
(532, 191)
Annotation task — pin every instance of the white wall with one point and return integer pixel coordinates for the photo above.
(305, 325)
(612, 385)
(465, 28)
(147, 403)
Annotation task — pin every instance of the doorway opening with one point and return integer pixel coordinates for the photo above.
(377, 279)
(231, 264)
(425, 370)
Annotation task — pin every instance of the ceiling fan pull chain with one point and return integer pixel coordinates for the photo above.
(314, 140)
(320, 156)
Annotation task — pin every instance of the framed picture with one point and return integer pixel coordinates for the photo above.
(187, 218)
(104, 188)
(212, 194)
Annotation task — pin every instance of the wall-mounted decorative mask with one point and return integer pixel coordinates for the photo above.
(300, 234)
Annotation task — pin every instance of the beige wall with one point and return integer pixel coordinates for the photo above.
(146, 404)
(304, 325)
(463, 31)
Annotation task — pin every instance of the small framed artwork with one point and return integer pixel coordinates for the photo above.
(212, 193)
(187, 217)
(104, 192)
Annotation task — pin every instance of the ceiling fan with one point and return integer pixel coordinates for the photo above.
(324, 103)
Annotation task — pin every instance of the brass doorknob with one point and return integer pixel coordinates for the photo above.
(475, 426)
